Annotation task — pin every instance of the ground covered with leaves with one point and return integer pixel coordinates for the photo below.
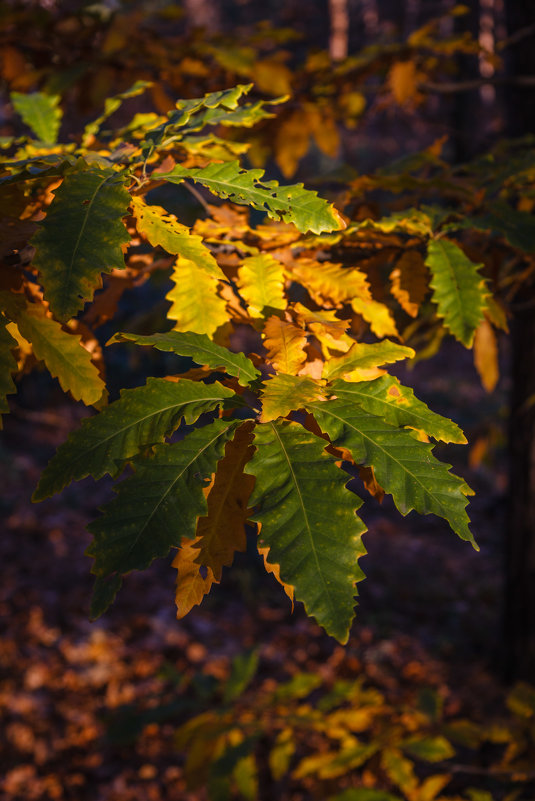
(97, 710)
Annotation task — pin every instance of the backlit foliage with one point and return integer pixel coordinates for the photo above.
(288, 307)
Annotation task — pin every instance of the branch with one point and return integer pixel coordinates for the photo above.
(468, 86)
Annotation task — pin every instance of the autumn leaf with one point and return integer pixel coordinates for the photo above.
(195, 304)
(191, 585)
(409, 281)
(163, 229)
(261, 284)
(285, 345)
(330, 283)
(221, 532)
(275, 571)
(403, 81)
(285, 393)
(486, 355)
(363, 356)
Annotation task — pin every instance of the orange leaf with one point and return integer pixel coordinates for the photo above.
(486, 355)
(222, 531)
(275, 571)
(285, 345)
(191, 585)
(410, 281)
(331, 283)
(403, 81)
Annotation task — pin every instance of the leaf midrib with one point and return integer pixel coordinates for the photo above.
(388, 454)
(184, 468)
(305, 515)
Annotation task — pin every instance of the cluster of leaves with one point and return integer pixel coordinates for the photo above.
(343, 741)
(250, 456)
(97, 53)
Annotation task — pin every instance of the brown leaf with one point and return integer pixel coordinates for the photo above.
(285, 344)
(222, 531)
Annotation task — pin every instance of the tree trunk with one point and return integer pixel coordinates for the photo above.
(520, 544)
(339, 36)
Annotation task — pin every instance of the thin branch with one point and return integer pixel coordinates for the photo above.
(467, 86)
(517, 36)
(198, 196)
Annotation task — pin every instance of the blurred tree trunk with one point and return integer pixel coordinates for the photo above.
(339, 33)
(520, 545)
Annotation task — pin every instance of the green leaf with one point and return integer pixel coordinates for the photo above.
(200, 348)
(308, 522)
(105, 589)
(81, 237)
(397, 405)
(65, 357)
(39, 112)
(160, 503)
(518, 227)
(177, 121)
(409, 221)
(405, 467)
(365, 794)
(363, 356)
(163, 229)
(142, 416)
(242, 671)
(430, 749)
(8, 365)
(458, 289)
(111, 104)
(40, 167)
(293, 204)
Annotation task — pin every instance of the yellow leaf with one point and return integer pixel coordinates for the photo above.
(222, 531)
(274, 569)
(403, 81)
(195, 304)
(330, 283)
(410, 281)
(191, 585)
(363, 356)
(285, 393)
(261, 284)
(431, 787)
(272, 77)
(486, 355)
(163, 229)
(328, 329)
(227, 222)
(285, 344)
(282, 753)
(399, 769)
(324, 130)
(291, 141)
(377, 315)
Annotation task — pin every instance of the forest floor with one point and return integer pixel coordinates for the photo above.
(429, 615)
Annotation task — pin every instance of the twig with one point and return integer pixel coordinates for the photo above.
(198, 196)
(515, 775)
(515, 37)
(468, 86)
